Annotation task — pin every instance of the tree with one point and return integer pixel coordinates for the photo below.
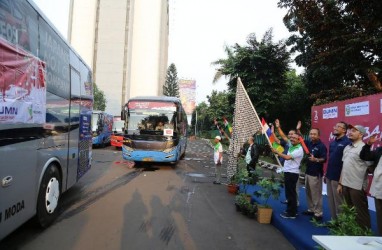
(171, 86)
(339, 43)
(262, 66)
(99, 99)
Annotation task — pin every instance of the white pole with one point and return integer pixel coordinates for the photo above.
(196, 120)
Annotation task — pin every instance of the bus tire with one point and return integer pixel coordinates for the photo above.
(49, 195)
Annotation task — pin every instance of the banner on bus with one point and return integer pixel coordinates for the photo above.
(22, 86)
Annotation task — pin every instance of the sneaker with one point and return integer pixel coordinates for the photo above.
(287, 216)
(308, 212)
(215, 182)
(284, 202)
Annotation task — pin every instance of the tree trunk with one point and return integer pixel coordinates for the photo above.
(373, 78)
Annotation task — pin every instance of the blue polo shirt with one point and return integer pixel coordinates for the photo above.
(336, 149)
(318, 150)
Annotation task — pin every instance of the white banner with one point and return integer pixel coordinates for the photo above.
(328, 113)
(356, 109)
(32, 110)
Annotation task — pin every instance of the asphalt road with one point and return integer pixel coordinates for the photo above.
(160, 206)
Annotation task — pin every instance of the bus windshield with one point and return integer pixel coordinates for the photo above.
(148, 119)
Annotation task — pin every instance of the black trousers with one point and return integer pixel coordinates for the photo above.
(251, 167)
(378, 208)
(358, 199)
(290, 180)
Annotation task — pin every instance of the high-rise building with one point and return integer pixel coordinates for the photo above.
(126, 44)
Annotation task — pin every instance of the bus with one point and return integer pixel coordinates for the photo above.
(45, 116)
(102, 124)
(117, 134)
(155, 129)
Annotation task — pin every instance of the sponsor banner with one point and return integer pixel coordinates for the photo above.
(328, 113)
(356, 109)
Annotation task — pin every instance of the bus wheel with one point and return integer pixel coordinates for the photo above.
(49, 196)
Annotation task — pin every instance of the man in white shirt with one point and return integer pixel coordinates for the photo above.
(218, 159)
(291, 173)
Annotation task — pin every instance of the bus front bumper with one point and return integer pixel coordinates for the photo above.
(149, 156)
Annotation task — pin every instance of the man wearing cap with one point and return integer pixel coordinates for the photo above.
(218, 159)
(353, 176)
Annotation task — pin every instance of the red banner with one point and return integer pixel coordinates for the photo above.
(365, 111)
(22, 86)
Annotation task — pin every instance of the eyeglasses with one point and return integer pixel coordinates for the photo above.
(339, 127)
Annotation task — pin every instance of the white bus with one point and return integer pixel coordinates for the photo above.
(45, 116)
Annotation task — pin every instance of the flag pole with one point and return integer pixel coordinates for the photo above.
(258, 119)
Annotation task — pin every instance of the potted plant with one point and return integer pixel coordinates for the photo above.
(241, 202)
(233, 186)
(269, 187)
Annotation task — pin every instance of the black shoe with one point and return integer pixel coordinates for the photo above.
(284, 202)
(308, 212)
(215, 182)
(317, 218)
(285, 215)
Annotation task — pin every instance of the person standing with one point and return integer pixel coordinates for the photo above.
(286, 144)
(376, 184)
(334, 168)
(314, 173)
(291, 173)
(218, 159)
(252, 155)
(354, 175)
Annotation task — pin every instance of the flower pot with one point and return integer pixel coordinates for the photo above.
(264, 215)
(232, 188)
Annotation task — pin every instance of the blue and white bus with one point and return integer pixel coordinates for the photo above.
(102, 125)
(155, 129)
(46, 102)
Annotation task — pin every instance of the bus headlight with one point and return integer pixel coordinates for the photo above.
(127, 148)
(168, 150)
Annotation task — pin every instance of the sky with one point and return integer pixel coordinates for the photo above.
(199, 31)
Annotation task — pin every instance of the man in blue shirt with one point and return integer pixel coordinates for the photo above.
(334, 168)
(314, 173)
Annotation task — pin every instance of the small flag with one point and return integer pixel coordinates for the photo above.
(267, 130)
(278, 147)
(227, 125)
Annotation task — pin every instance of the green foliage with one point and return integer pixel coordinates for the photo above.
(338, 42)
(242, 200)
(262, 66)
(270, 187)
(345, 224)
(171, 86)
(99, 99)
